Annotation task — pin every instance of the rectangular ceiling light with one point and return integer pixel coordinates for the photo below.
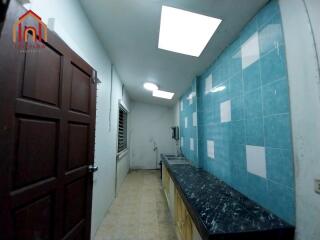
(185, 32)
(162, 94)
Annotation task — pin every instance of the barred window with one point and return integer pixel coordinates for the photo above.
(122, 129)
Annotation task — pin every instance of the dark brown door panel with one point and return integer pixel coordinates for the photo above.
(74, 207)
(80, 90)
(47, 124)
(42, 83)
(35, 220)
(36, 151)
(78, 136)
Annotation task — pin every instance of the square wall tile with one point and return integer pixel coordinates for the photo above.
(237, 132)
(239, 180)
(273, 66)
(251, 77)
(277, 130)
(254, 131)
(275, 97)
(219, 74)
(237, 108)
(210, 149)
(194, 119)
(282, 201)
(250, 51)
(256, 160)
(280, 166)
(208, 86)
(253, 104)
(225, 111)
(258, 189)
(222, 152)
(238, 156)
(236, 85)
(191, 144)
(235, 59)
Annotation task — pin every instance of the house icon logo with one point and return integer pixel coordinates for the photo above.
(21, 32)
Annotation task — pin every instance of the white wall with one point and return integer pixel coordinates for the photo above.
(123, 166)
(176, 113)
(313, 7)
(72, 26)
(149, 123)
(304, 84)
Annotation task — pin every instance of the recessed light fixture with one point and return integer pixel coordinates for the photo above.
(150, 86)
(185, 32)
(162, 94)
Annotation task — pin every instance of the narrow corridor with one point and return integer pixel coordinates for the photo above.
(139, 212)
(96, 95)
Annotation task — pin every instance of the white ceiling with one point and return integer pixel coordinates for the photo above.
(129, 30)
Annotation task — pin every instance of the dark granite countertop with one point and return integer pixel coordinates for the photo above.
(220, 212)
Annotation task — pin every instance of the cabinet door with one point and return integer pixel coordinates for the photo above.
(171, 196)
(162, 174)
(188, 228)
(195, 233)
(165, 181)
(178, 210)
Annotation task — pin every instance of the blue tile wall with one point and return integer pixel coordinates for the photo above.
(255, 81)
(188, 105)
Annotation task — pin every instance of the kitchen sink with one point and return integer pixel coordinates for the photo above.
(176, 158)
(174, 162)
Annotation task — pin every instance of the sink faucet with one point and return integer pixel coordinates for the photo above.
(155, 149)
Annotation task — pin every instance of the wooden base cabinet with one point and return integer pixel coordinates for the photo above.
(165, 181)
(168, 188)
(184, 225)
(183, 220)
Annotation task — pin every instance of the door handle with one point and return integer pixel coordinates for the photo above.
(92, 168)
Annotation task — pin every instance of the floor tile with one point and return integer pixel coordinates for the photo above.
(139, 212)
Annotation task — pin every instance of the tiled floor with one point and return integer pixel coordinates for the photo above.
(140, 211)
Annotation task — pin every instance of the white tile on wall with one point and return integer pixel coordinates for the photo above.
(190, 97)
(181, 141)
(186, 122)
(181, 105)
(208, 84)
(250, 51)
(191, 144)
(256, 160)
(210, 148)
(225, 111)
(194, 119)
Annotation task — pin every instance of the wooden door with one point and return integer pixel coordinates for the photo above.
(3, 10)
(47, 124)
